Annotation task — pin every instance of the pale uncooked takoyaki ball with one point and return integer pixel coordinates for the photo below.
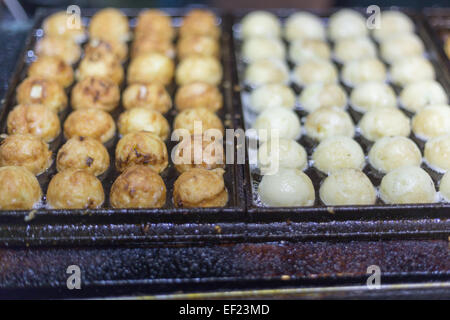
(411, 69)
(349, 49)
(94, 123)
(200, 22)
(372, 95)
(391, 23)
(143, 119)
(407, 184)
(359, 71)
(347, 187)
(329, 122)
(109, 23)
(260, 24)
(444, 186)
(437, 153)
(315, 71)
(432, 121)
(287, 188)
(390, 153)
(75, 189)
(54, 68)
(266, 71)
(347, 23)
(263, 48)
(152, 96)
(199, 68)
(100, 65)
(384, 122)
(281, 153)
(318, 95)
(151, 67)
(59, 46)
(19, 190)
(95, 92)
(197, 121)
(304, 25)
(400, 46)
(271, 96)
(37, 90)
(417, 95)
(336, 153)
(65, 25)
(277, 121)
(303, 50)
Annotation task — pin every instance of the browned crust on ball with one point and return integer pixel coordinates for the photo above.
(94, 123)
(38, 90)
(198, 95)
(19, 189)
(54, 68)
(200, 22)
(152, 96)
(95, 92)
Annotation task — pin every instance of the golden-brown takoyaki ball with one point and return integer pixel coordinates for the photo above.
(37, 90)
(35, 119)
(198, 95)
(75, 189)
(100, 64)
(95, 92)
(59, 46)
(143, 148)
(19, 189)
(138, 187)
(152, 96)
(103, 47)
(151, 67)
(83, 153)
(57, 25)
(200, 22)
(199, 68)
(201, 118)
(109, 23)
(94, 123)
(150, 43)
(200, 188)
(27, 151)
(143, 119)
(198, 45)
(208, 155)
(53, 68)
(154, 21)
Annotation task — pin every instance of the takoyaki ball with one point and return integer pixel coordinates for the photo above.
(364, 70)
(110, 47)
(347, 187)
(287, 188)
(59, 46)
(151, 43)
(315, 71)
(304, 25)
(35, 119)
(263, 48)
(95, 92)
(437, 153)
(19, 190)
(346, 23)
(318, 95)
(151, 67)
(27, 151)
(138, 187)
(277, 121)
(372, 95)
(271, 96)
(57, 25)
(109, 23)
(154, 21)
(260, 24)
(94, 123)
(407, 184)
(411, 69)
(384, 122)
(83, 153)
(37, 90)
(349, 49)
(52, 67)
(209, 155)
(200, 188)
(281, 153)
(392, 23)
(336, 153)
(389, 153)
(329, 122)
(198, 95)
(400, 46)
(199, 68)
(152, 96)
(201, 119)
(198, 45)
(143, 148)
(266, 71)
(143, 119)
(200, 22)
(444, 186)
(432, 121)
(75, 189)
(417, 95)
(303, 50)
(100, 64)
